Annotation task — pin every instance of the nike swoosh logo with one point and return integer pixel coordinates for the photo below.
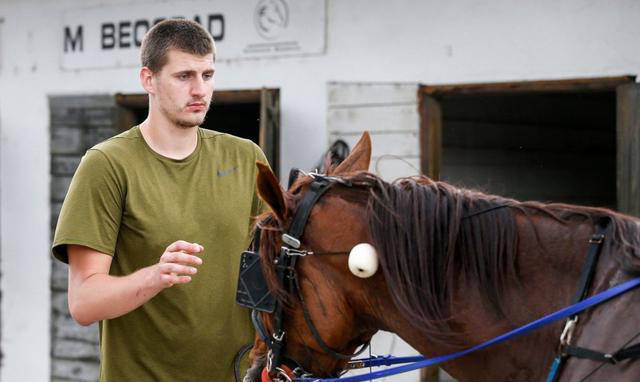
(227, 172)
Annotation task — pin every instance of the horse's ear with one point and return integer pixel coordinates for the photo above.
(270, 191)
(359, 158)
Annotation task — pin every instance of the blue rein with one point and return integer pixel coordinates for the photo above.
(420, 361)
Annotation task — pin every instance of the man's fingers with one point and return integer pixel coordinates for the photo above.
(177, 262)
(177, 268)
(180, 257)
(182, 279)
(185, 246)
(171, 279)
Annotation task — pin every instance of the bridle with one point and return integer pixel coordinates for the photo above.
(253, 291)
(566, 349)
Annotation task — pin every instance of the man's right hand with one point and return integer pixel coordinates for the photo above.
(177, 263)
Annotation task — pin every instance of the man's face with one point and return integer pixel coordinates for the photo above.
(183, 88)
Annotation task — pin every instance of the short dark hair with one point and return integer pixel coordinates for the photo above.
(181, 34)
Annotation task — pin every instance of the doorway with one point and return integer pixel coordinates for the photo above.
(552, 141)
(250, 114)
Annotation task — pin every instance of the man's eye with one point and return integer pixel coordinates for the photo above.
(184, 76)
(207, 76)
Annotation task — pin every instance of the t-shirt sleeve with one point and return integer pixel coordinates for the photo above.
(258, 206)
(92, 209)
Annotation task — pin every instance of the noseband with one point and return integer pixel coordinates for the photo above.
(253, 292)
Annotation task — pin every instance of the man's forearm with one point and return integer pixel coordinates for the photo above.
(94, 295)
(101, 296)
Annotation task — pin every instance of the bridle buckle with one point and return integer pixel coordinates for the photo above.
(278, 337)
(597, 239)
(611, 357)
(294, 252)
(290, 240)
(282, 376)
(567, 332)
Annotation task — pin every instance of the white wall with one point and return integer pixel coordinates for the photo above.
(367, 40)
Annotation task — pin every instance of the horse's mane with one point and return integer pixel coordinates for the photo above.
(430, 235)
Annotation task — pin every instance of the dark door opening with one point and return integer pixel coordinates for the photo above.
(550, 141)
(250, 114)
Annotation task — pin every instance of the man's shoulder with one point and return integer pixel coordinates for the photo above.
(224, 137)
(121, 146)
(228, 142)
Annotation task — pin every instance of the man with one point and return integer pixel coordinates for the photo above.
(154, 222)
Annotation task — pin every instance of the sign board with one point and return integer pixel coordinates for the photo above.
(110, 36)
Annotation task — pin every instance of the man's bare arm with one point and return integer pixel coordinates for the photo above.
(94, 295)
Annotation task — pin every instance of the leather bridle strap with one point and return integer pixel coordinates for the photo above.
(318, 187)
(285, 264)
(260, 328)
(237, 360)
(589, 268)
(588, 271)
(619, 356)
(316, 335)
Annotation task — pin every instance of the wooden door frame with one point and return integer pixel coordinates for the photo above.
(628, 148)
(430, 110)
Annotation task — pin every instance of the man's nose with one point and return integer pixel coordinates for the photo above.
(198, 87)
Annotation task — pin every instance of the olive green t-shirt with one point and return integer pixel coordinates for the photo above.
(129, 202)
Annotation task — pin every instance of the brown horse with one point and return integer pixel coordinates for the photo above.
(457, 267)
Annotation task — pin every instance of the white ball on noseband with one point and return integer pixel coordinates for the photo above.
(363, 260)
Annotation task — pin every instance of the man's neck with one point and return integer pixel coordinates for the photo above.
(169, 140)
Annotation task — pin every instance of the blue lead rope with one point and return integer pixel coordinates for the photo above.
(555, 366)
(424, 362)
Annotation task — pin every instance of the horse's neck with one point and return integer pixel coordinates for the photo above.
(549, 271)
(550, 263)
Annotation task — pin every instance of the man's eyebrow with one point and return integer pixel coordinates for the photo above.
(193, 72)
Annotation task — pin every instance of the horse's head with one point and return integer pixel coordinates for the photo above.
(316, 289)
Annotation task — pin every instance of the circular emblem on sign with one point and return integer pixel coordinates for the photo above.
(271, 18)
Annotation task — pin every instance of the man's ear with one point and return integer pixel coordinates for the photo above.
(270, 191)
(146, 80)
(358, 159)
